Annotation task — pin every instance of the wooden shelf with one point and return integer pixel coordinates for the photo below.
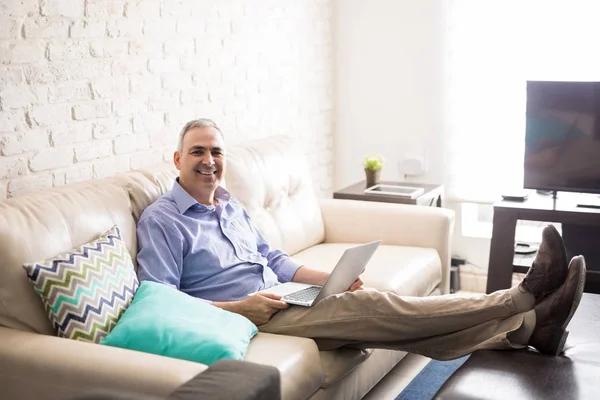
(520, 269)
(502, 260)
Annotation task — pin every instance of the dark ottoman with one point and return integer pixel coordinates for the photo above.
(527, 374)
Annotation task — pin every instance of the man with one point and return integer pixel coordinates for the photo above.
(200, 240)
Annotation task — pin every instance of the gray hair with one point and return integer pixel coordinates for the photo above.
(195, 123)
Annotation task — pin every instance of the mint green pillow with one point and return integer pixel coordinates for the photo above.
(162, 320)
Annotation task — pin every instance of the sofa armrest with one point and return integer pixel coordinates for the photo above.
(40, 366)
(354, 221)
(224, 380)
(232, 380)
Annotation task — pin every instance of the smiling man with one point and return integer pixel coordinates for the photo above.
(195, 238)
(200, 239)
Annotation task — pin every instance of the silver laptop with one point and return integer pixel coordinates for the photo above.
(346, 271)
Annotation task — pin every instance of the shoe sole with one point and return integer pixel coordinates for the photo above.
(560, 336)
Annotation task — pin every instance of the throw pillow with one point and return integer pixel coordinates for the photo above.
(165, 321)
(86, 290)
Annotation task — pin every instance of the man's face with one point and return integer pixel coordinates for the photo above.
(201, 161)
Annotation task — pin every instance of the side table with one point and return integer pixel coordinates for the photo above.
(433, 195)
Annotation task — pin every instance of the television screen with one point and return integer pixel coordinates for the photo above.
(562, 136)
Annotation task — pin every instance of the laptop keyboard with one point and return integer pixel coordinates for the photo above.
(303, 295)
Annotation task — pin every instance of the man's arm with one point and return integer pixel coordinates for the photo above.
(160, 252)
(289, 270)
(284, 266)
(311, 276)
(315, 277)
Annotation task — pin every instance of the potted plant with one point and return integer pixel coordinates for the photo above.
(373, 165)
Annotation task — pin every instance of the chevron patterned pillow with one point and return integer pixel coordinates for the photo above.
(86, 290)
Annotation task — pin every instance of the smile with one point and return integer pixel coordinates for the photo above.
(206, 172)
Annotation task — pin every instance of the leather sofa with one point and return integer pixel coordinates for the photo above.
(272, 178)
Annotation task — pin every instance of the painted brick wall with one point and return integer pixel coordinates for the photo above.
(91, 88)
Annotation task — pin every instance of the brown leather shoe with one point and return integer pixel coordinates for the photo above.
(555, 312)
(549, 268)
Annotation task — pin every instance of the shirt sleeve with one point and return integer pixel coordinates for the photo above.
(280, 262)
(160, 253)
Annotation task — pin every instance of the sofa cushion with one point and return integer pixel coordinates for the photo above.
(296, 358)
(86, 290)
(165, 321)
(408, 271)
(49, 222)
(272, 179)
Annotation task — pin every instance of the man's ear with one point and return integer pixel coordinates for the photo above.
(177, 159)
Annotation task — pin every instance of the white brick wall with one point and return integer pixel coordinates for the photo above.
(51, 159)
(92, 88)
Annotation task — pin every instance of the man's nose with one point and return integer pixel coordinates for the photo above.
(208, 159)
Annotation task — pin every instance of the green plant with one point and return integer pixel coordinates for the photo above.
(373, 163)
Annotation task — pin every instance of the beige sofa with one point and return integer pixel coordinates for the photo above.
(271, 177)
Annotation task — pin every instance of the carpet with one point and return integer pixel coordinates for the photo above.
(430, 379)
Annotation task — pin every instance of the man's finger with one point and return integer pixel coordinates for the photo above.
(278, 304)
(357, 282)
(270, 296)
(356, 285)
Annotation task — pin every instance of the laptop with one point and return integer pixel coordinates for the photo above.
(347, 270)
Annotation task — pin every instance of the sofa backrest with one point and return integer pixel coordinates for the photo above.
(272, 178)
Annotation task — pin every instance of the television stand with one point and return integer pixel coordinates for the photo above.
(553, 193)
(589, 201)
(564, 210)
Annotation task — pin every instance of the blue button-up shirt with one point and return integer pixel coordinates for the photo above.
(211, 252)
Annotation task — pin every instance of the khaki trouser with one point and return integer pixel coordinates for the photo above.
(440, 327)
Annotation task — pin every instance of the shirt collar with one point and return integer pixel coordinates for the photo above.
(184, 200)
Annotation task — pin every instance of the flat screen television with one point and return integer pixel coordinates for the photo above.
(562, 136)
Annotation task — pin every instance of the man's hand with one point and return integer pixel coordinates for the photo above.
(317, 277)
(261, 307)
(258, 308)
(357, 285)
